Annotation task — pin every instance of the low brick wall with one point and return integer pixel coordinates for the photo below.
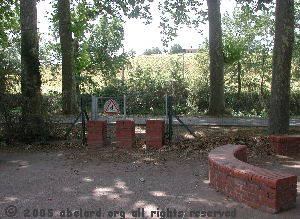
(285, 145)
(267, 190)
(155, 131)
(97, 133)
(125, 133)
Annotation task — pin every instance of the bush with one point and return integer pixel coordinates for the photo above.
(10, 116)
(176, 48)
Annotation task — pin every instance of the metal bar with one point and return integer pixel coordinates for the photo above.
(83, 121)
(170, 119)
(166, 120)
(124, 102)
(69, 130)
(184, 125)
(93, 108)
(96, 109)
(86, 115)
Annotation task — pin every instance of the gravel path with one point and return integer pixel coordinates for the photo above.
(38, 183)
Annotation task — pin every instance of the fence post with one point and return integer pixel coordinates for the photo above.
(83, 120)
(170, 118)
(166, 120)
(93, 108)
(124, 106)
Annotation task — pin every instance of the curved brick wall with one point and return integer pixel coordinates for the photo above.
(268, 190)
(285, 145)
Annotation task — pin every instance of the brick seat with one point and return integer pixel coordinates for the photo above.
(285, 145)
(268, 190)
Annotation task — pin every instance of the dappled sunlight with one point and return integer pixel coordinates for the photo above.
(292, 163)
(215, 127)
(158, 193)
(200, 133)
(67, 189)
(140, 130)
(87, 179)
(206, 202)
(188, 136)
(206, 181)
(108, 192)
(292, 166)
(113, 193)
(60, 154)
(144, 204)
(20, 163)
(122, 185)
(8, 199)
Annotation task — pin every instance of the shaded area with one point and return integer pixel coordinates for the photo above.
(47, 180)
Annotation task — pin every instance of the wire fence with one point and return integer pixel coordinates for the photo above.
(131, 106)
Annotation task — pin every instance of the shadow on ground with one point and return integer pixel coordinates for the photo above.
(46, 181)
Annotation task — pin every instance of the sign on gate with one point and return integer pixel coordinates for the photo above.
(111, 106)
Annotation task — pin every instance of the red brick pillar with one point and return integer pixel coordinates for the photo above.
(285, 145)
(155, 130)
(125, 133)
(97, 133)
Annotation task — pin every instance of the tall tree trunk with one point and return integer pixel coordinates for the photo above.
(239, 68)
(216, 66)
(77, 72)
(30, 73)
(282, 55)
(69, 103)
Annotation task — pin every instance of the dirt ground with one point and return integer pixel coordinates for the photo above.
(63, 176)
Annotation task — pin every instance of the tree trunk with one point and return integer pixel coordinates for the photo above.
(30, 73)
(69, 103)
(281, 68)
(239, 68)
(216, 66)
(77, 72)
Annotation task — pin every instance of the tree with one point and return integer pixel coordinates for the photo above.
(234, 49)
(247, 31)
(69, 103)
(103, 45)
(282, 55)
(83, 14)
(176, 48)
(216, 66)
(154, 50)
(30, 74)
(9, 41)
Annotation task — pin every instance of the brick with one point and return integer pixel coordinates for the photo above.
(154, 133)
(97, 133)
(268, 190)
(253, 205)
(125, 133)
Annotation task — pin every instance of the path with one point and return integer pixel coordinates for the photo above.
(223, 121)
(48, 181)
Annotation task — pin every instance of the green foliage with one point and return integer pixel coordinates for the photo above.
(152, 76)
(10, 114)
(103, 45)
(176, 48)
(176, 13)
(9, 21)
(154, 50)
(233, 49)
